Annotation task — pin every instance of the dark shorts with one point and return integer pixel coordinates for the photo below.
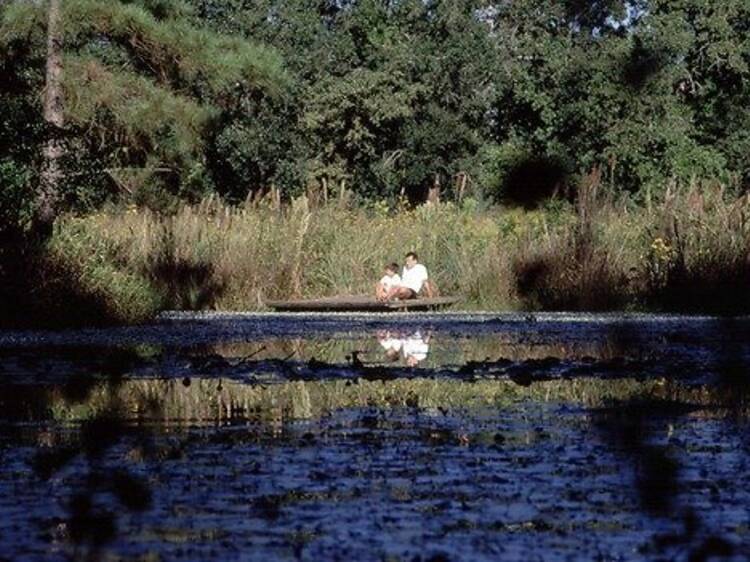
(412, 293)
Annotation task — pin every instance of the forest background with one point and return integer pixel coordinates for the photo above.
(573, 154)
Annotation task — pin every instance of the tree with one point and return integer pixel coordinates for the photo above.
(144, 86)
(184, 97)
(52, 173)
(455, 64)
(711, 72)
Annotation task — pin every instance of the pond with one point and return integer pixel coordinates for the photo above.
(377, 437)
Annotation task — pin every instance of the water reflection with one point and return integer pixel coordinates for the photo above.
(305, 469)
(502, 445)
(199, 401)
(412, 348)
(426, 348)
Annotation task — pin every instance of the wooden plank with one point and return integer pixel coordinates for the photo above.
(422, 303)
(361, 303)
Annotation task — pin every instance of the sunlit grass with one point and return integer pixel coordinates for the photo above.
(687, 251)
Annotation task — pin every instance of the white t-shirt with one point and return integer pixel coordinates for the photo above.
(390, 281)
(415, 346)
(391, 344)
(415, 277)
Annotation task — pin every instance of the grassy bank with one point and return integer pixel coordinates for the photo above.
(688, 251)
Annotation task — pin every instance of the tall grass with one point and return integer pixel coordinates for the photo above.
(686, 251)
(214, 255)
(71, 281)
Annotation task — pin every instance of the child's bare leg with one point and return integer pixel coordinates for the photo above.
(380, 293)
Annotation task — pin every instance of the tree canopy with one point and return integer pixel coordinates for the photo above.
(187, 97)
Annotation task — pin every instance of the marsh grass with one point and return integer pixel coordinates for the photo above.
(209, 400)
(700, 251)
(72, 284)
(238, 257)
(581, 267)
(687, 251)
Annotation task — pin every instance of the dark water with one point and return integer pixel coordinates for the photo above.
(428, 437)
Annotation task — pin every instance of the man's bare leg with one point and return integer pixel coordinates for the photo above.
(403, 293)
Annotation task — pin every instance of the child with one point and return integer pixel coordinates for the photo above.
(390, 280)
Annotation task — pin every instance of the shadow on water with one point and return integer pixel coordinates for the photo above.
(635, 429)
(91, 521)
(95, 492)
(732, 368)
(632, 429)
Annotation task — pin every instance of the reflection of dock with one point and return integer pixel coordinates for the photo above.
(361, 303)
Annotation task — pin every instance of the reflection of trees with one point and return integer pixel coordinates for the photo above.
(98, 490)
(633, 410)
(215, 400)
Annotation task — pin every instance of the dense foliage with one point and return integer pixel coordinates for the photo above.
(168, 99)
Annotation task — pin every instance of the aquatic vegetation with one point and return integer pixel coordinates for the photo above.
(557, 434)
(685, 252)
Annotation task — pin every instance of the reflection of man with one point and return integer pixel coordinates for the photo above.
(415, 348)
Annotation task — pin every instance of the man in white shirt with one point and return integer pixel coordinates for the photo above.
(413, 279)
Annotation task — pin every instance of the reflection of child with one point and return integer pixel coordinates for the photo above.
(391, 345)
(390, 279)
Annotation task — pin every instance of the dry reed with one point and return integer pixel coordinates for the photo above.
(597, 254)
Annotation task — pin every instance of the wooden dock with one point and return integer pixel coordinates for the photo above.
(361, 303)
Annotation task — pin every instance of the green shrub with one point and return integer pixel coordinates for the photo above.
(15, 206)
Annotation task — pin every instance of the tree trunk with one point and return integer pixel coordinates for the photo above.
(52, 174)
(433, 194)
(462, 179)
(342, 194)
